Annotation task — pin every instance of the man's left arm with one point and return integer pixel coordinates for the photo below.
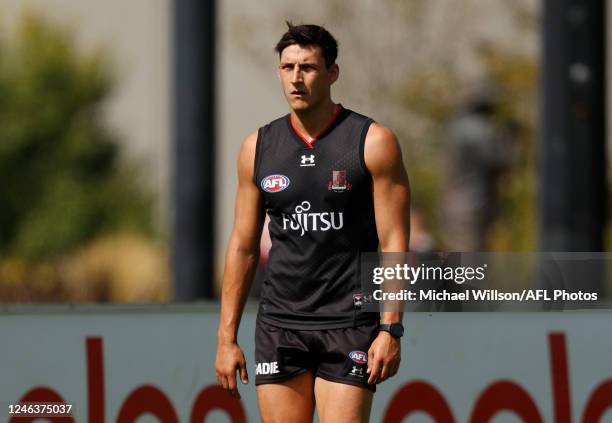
(391, 192)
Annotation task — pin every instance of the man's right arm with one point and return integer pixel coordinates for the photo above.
(240, 265)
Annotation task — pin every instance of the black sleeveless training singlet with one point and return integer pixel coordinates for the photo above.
(319, 200)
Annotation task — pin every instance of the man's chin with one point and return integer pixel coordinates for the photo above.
(299, 105)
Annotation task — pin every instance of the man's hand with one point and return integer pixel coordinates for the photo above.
(230, 359)
(384, 358)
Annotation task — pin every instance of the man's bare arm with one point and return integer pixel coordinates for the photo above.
(391, 192)
(240, 265)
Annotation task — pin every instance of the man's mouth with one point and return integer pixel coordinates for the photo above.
(298, 93)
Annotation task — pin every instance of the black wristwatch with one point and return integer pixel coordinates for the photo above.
(395, 329)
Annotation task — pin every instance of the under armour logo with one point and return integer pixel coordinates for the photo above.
(356, 371)
(307, 160)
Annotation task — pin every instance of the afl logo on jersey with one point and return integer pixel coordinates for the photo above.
(358, 357)
(274, 183)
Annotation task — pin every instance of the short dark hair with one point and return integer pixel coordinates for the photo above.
(304, 35)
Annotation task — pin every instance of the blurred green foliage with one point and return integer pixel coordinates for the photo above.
(516, 225)
(432, 96)
(61, 181)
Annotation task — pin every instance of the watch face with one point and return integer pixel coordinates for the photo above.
(397, 330)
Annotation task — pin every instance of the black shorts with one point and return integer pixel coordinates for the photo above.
(337, 355)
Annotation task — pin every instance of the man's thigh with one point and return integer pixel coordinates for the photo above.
(288, 401)
(339, 402)
(283, 375)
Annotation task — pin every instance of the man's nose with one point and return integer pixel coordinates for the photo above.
(296, 75)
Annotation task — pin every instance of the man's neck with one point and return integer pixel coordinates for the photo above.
(310, 123)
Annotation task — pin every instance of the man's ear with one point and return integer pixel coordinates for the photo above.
(334, 72)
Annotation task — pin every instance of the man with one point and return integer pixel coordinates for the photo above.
(334, 185)
(479, 149)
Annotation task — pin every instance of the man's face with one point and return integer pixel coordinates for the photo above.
(305, 78)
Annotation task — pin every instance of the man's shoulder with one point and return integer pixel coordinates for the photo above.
(381, 148)
(357, 116)
(276, 122)
(380, 134)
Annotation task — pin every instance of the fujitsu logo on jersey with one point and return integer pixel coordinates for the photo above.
(303, 221)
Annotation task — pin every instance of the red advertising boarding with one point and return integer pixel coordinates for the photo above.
(117, 364)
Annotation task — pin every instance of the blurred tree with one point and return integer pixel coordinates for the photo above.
(61, 182)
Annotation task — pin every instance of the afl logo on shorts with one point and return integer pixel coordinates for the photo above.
(358, 357)
(274, 183)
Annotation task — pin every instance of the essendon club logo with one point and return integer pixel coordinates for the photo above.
(274, 183)
(339, 182)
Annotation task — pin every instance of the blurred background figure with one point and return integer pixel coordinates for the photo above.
(478, 149)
